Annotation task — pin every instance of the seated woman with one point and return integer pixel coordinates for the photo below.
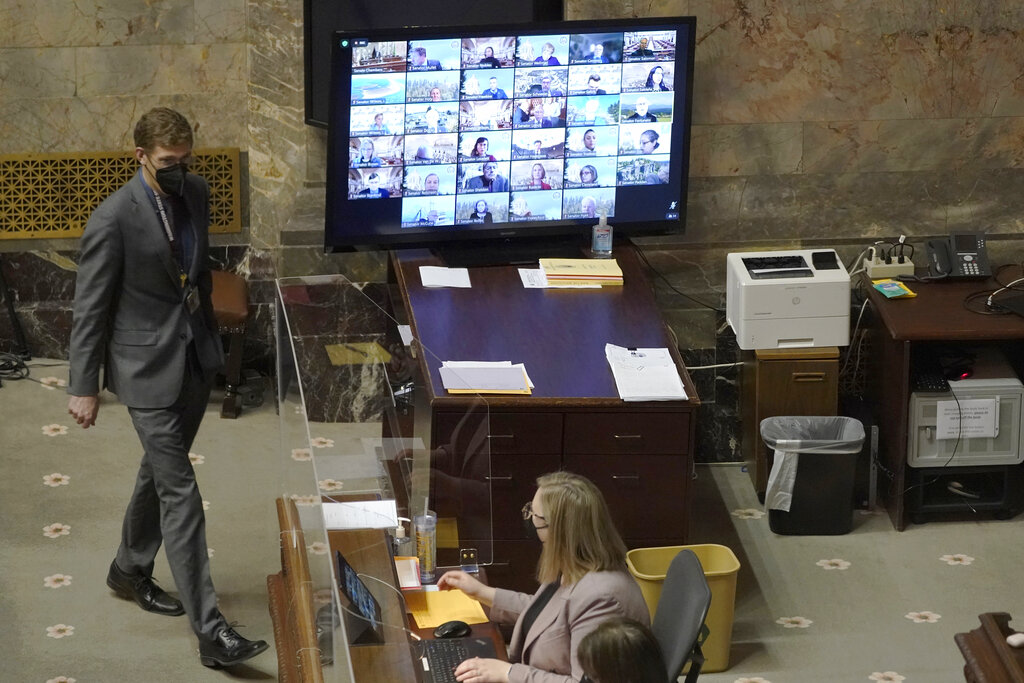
(584, 581)
(621, 650)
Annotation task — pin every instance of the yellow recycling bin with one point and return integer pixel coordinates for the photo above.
(649, 565)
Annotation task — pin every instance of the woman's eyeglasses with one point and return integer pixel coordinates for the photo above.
(528, 513)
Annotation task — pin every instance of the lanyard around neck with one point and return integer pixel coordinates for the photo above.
(163, 217)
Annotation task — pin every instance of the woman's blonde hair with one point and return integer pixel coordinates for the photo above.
(581, 536)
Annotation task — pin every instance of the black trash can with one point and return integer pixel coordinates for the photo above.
(821, 497)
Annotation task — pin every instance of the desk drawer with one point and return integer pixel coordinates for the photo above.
(637, 433)
(507, 433)
(648, 495)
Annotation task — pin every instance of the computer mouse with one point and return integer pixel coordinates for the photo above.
(452, 629)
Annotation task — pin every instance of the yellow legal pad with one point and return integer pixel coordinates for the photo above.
(432, 608)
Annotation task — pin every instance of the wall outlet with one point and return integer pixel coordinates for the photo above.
(878, 269)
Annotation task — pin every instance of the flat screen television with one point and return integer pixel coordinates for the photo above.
(500, 135)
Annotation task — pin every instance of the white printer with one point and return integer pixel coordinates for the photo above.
(788, 299)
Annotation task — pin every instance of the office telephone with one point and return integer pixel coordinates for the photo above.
(962, 255)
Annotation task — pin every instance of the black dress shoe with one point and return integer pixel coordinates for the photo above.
(228, 648)
(143, 591)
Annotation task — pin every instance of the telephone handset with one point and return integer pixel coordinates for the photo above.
(962, 255)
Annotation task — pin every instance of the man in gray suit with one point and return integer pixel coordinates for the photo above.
(143, 310)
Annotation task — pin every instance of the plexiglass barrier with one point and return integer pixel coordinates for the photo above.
(361, 457)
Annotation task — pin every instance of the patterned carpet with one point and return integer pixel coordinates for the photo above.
(62, 498)
(872, 605)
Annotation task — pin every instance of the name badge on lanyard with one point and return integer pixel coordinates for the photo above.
(192, 299)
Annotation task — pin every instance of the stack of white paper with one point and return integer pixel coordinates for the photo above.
(494, 377)
(645, 374)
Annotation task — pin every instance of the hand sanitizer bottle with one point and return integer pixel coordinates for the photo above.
(601, 243)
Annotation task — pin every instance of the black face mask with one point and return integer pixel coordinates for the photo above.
(171, 179)
(530, 530)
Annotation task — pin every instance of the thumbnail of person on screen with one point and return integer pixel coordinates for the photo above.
(547, 57)
(538, 119)
(489, 180)
(538, 148)
(522, 112)
(373, 189)
(494, 92)
(589, 143)
(418, 60)
(537, 176)
(642, 50)
(545, 88)
(367, 157)
(594, 85)
(649, 141)
(423, 154)
(656, 79)
(659, 178)
(435, 94)
(433, 120)
(431, 183)
(378, 127)
(489, 58)
(597, 55)
(481, 213)
(588, 176)
(641, 113)
(520, 208)
(479, 152)
(589, 115)
(589, 206)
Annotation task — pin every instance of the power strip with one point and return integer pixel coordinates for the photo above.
(878, 269)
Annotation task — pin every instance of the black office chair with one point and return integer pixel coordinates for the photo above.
(679, 620)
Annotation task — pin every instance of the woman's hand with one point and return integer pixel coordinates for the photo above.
(477, 670)
(467, 584)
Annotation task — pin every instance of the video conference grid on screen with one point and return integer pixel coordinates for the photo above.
(510, 128)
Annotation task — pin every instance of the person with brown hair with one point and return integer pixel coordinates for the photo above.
(143, 310)
(621, 650)
(584, 581)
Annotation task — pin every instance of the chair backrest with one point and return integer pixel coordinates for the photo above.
(682, 608)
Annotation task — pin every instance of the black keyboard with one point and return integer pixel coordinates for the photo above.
(443, 655)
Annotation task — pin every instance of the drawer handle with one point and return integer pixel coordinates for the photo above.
(631, 477)
(628, 436)
(808, 376)
(497, 478)
(501, 436)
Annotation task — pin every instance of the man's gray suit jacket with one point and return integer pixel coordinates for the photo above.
(129, 310)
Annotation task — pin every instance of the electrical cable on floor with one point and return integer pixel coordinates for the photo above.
(12, 367)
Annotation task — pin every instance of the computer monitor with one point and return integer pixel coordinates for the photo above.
(363, 622)
(441, 136)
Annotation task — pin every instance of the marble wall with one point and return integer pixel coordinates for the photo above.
(826, 122)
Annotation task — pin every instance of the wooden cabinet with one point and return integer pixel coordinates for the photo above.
(638, 454)
(783, 382)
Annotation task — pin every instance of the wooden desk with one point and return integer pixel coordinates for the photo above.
(904, 327)
(294, 617)
(638, 454)
(987, 656)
